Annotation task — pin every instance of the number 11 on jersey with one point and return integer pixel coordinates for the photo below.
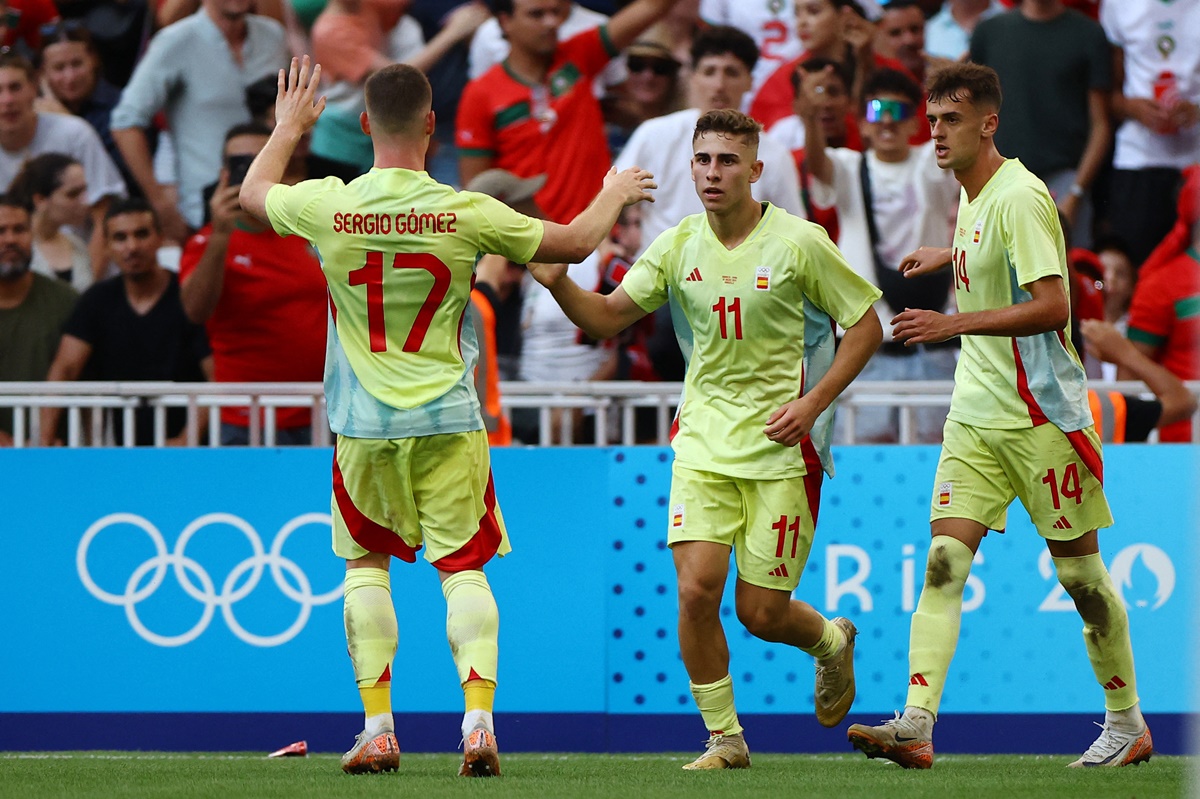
(722, 308)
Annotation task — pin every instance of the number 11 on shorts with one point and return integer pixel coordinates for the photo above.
(783, 527)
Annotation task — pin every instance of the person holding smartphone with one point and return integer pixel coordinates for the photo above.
(261, 296)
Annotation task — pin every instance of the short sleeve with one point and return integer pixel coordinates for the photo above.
(1152, 308)
(1028, 221)
(193, 251)
(590, 50)
(1111, 24)
(829, 281)
(1100, 72)
(505, 231)
(103, 177)
(84, 321)
(289, 207)
(648, 279)
(475, 127)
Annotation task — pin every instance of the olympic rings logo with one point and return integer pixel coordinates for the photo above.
(203, 590)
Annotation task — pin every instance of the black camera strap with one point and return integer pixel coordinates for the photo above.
(927, 292)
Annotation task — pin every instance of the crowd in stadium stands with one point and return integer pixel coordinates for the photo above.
(126, 126)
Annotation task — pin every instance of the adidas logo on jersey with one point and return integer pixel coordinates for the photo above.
(918, 679)
(1113, 684)
(1062, 524)
(694, 276)
(779, 571)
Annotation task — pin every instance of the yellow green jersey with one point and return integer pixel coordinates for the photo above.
(398, 250)
(1005, 239)
(743, 316)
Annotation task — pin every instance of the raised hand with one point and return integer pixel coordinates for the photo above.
(633, 184)
(296, 102)
(811, 94)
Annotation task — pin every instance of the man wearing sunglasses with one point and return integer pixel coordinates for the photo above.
(889, 199)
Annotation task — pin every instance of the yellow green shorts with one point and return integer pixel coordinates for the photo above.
(768, 523)
(1057, 476)
(394, 496)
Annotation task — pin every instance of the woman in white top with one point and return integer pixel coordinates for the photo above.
(55, 188)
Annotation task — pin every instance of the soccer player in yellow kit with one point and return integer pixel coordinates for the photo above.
(745, 279)
(411, 466)
(1019, 425)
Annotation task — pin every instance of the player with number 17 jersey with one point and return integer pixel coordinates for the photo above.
(398, 251)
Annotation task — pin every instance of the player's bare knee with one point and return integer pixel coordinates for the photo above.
(699, 596)
(763, 620)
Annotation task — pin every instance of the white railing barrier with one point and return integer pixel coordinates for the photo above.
(614, 405)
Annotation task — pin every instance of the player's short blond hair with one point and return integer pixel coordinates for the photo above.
(729, 122)
(397, 97)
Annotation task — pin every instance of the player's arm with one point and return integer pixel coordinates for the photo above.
(792, 422)
(1149, 350)
(1094, 152)
(598, 315)
(72, 356)
(296, 111)
(924, 260)
(201, 290)
(573, 242)
(1047, 310)
(1106, 343)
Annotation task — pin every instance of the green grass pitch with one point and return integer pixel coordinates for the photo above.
(141, 775)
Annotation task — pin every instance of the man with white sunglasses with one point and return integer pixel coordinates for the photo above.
(888, 199)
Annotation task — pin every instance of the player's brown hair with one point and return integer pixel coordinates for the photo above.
(729, 122)
(398, 97)
(971, 83)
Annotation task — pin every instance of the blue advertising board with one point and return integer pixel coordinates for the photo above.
(149, 589)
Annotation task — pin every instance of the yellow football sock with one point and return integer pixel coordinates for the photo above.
(371, 633)
(472, 626)
(933, 636)
(1105, 627)
(371, 637)
(715, 701)
(831, 642)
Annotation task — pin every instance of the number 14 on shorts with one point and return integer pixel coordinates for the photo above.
(1068, 488)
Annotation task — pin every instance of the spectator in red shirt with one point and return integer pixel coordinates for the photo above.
(833, 29)
(1164, 315)
(536, 113)
(25, 21)
(261, 295)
